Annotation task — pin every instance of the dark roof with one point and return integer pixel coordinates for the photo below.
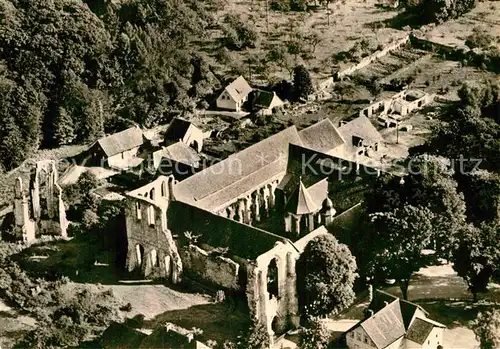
(239, 173)
(301, 201)
(241, 239)
(385, 326)
(263, 98)
(322, 136)
(419, 330)
(178, 129)
(360, 127)
(121, 141)
(120, 336)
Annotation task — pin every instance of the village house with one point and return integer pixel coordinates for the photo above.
(181, 130)
(265, 102)
(119, 150)
(234, 95)
(395, 324)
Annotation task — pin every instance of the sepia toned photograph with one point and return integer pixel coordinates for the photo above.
(250, 174)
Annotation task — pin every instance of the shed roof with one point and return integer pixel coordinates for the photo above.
(121, 141)
(178, 152)
(238, 89)
(322, 136)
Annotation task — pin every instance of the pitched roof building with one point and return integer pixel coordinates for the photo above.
(397, 324)
(181, 130)
(119, 149)
(234, 95)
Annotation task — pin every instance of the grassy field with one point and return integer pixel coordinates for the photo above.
(486, 17)
(348, 23)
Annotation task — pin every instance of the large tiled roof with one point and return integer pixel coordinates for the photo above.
(238, 89)
(242, 240)
(385, 326)
(239, 173)
(408, 309)
(121, 141)
(419, 330)
(322, 136)
(361, 127)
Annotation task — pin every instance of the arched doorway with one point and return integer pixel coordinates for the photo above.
(272, 279)
(168, 266)
(275, 326)
(139, 254)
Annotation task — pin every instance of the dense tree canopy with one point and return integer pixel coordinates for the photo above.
(326, 271)
(477, 256)
(486, 327)
(70, 70)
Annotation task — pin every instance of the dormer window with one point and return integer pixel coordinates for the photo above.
(357, 141)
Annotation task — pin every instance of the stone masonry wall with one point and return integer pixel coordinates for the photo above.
(216, 270)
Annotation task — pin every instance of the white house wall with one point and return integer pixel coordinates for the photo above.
(117, 160)
(359, 339)
(225, 101)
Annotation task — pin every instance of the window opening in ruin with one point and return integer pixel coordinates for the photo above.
(272, 279)
(154, 258)
(140, 253)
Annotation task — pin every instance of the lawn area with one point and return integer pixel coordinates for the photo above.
(219, 321)
(486, 16)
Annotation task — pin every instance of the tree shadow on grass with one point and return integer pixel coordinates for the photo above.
(218, 321)
(454, 313)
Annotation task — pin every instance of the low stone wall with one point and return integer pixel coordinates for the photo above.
(217, 270)
(374, 56)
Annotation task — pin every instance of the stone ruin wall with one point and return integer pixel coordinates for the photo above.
(152, 250)
(216, 270)
(42, 211)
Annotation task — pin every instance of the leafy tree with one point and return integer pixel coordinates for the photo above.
(314, 39)
(486, 327)
(326, 271)
(302, 82)
(256, 337)
(477, 256)
(314, 335)
(482, 195)
(64, 129)
(430, 184)
(401, 237)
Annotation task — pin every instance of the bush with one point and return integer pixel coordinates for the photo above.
(280, 5)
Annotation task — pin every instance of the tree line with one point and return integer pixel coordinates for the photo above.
(72, 70)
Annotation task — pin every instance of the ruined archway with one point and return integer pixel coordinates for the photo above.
(272, 279)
